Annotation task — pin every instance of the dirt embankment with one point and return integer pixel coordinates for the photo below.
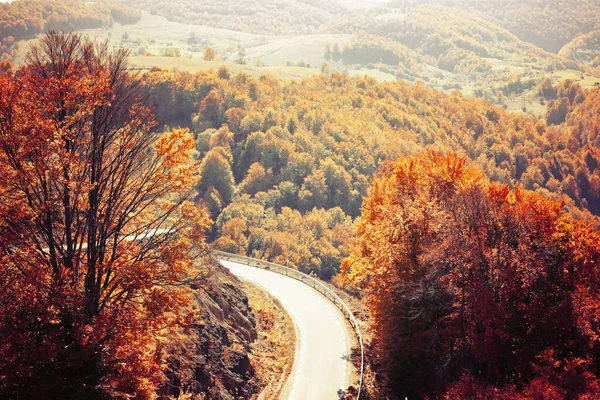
(274, 349)
(242, 345)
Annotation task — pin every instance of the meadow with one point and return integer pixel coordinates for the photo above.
(154, 35)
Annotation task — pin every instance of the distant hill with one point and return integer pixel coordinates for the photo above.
(478, 56)
(448, 34)
(266, 17)
(585, 49)
(548, 24)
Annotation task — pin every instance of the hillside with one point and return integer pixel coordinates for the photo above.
(155, 41)
(584, 49)
(213, 358)
(455, 49)
(24, 19)
(281, 155)
(228, 353)
(258, 17)
(547, 24)
(469, 48)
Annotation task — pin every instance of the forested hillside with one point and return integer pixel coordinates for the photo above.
(547, 24)
(26, 18)
(277, 156)
(584, 49)
(478, 270)
(456, 49)
(438, 161)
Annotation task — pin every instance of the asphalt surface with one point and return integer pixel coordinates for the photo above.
(321, 368)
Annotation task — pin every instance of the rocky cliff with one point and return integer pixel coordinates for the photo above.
(211, 360)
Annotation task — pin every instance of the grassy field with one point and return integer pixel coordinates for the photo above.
(196, 64)
(154, 34)
(587, 82)
(374, 73)
(308, 48)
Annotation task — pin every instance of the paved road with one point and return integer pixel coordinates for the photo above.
(321, 370)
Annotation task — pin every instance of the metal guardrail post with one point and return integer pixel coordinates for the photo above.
(342, 306)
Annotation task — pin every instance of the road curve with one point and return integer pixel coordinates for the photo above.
(322, 367)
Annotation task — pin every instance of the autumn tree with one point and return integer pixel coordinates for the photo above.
(314, 191)
(557, 111)
(211, 108)
(97, 230)
(224, 72)
(217, 179)
(209, 54)
(257, 179)
(475, 288)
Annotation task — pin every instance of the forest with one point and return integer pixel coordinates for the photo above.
(310, 162)
(549, 24)
(24, 19)
(470, 232)
(513, 214)
(583, 49)
(476, 290)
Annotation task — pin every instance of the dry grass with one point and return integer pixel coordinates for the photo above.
(273, 351)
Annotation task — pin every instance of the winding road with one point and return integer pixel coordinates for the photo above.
(322, 367)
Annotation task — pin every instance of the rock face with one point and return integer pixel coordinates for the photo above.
(212, 360)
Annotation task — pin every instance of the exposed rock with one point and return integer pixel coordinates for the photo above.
(212, 361)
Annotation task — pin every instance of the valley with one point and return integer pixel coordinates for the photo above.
(436, 164)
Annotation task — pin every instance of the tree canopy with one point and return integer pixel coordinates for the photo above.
(476, 290)
(97, 233)
(315, 144)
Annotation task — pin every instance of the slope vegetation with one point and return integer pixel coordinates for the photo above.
(285, 165)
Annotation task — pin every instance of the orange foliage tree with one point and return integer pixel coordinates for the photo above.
(96, 232)
(209, 54)
(475, 287)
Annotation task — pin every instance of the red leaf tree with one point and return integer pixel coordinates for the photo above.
(475, 288)
(96, 232)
